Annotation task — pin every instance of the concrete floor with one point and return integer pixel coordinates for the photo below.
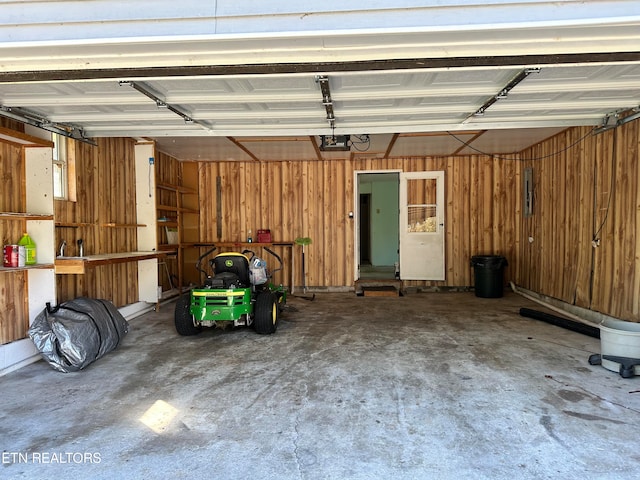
(430, 385)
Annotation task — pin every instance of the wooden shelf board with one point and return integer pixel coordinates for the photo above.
(24, 216)
(122, 225)
(77, 265)
(23, 139)
(39, 266)
(73, 225)
(176, 188)
(169, 208)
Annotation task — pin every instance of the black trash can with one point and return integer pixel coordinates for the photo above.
(489, 275)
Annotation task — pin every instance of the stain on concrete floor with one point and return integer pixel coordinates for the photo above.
(429, 385)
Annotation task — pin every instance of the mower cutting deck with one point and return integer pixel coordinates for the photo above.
(238, 293)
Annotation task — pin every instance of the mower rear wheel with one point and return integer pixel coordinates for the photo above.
(183, 318)
(266, 313)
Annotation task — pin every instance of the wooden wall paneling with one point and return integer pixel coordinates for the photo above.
(486, 201)
(308, 222)
(554, 228)
(461, 221)
(105, 186)
(208, 174)
(582, 162)
(604, 253)
(13, 290)
(568, 253)
(209, 222)
(513, 237)
(625, 195)
(326, 218)
(339, 254)
(14, 320)
(315, 197)
(502, 202)
(563, 187)
(287, 199)
(273, 201)
(235, 213)
(12, 194)
(12, 124)
(301, 227)
(451, 183)
(550, 227)
(634, 146)
(565, 268)
(190, 178)
(315, 254)
(348, 232)
(608, 210)
(541, 258)
(333, 191)
(584, 188)
(343, 255)
(474, 222)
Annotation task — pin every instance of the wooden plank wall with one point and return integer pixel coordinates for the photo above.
(586, 190)
(105, 177)
(14, 319)
(313, 198)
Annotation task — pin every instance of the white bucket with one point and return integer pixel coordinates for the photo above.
(620, 339)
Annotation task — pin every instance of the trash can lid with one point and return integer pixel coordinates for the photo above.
(489, 261)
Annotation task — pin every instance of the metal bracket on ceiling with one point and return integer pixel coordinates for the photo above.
(31, 118)
(323, 81)
(616, 119)
(502, 94)
(160, 102)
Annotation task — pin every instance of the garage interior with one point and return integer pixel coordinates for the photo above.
(181, 131)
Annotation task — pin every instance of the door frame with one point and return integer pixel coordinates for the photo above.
(411, 238)
(356, 215)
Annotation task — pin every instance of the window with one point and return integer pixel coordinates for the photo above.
(60, 183)
(422, 205)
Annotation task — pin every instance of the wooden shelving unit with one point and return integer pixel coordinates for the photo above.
(176, 208)
(26, 205)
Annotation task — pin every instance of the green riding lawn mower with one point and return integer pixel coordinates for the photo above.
(236, 292)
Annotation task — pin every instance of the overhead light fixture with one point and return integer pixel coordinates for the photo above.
(31, 118)
(502, 94)
(160, 102)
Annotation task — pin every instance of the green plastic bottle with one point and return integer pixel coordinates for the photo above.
(29, 249)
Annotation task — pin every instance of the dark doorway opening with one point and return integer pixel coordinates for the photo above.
(365, 229)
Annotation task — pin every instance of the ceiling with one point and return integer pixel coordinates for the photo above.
(407, 112)
(497, 86)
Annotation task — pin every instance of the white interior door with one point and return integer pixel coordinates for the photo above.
(422, 226)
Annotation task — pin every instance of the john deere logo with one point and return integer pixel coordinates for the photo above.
(228, 263)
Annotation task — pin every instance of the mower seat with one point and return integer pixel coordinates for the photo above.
(232, 263)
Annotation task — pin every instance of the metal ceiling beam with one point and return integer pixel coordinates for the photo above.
(30, 118)
(320, 67)
(323, 81)
(161, 103)
(505, 90)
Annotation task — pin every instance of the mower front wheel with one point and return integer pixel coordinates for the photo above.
(266, 313)
(183, 318)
